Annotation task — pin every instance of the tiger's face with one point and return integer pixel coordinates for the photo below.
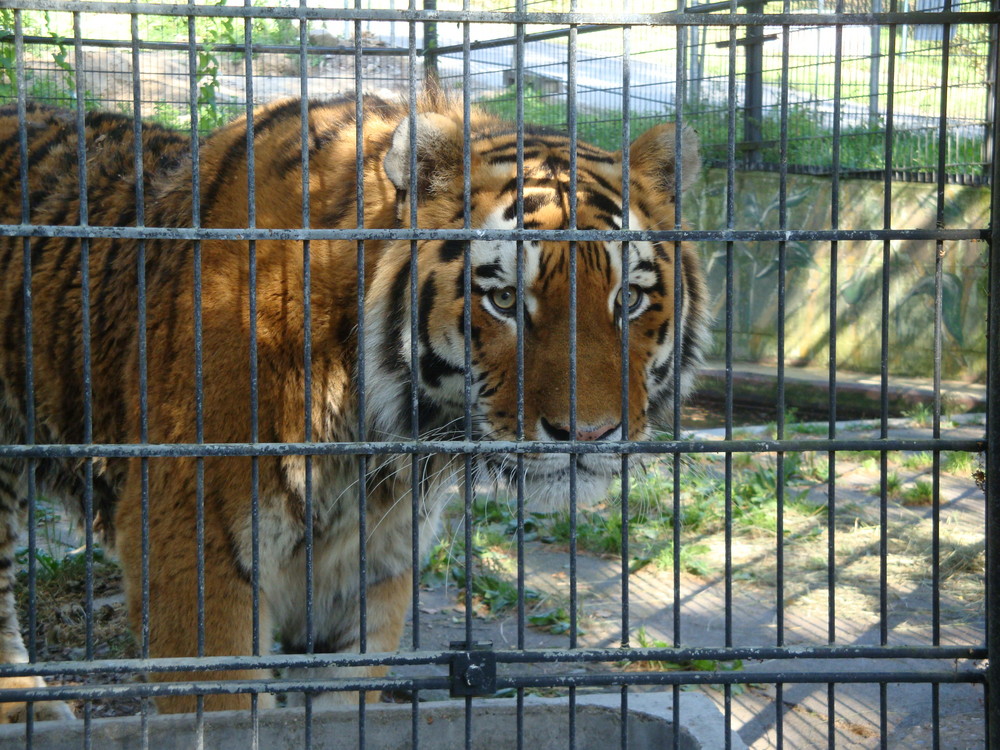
(522, 383)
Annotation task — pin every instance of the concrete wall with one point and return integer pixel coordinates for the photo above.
(859, 274)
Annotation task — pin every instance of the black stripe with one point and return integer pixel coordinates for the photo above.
(432, 367)
(41, 151)
(531, 203)
(602, 203)
(451, 251)
(237, 149)
(392, 359)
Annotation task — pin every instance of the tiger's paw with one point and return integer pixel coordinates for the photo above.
(17, 713)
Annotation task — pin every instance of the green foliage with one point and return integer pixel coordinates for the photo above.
(809, 138)
(61, 572)
(555, 621)
(643, 640)
(493, 589)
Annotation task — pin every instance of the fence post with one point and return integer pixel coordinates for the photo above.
(430, 47)
(991, 89)
(992, 687)
(753, 91)
(874, 68)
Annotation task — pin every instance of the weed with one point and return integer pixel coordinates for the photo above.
(918, 461)
(692, 558)
(860, 456)
(491, 585)
(643, 640)
(795, 426)
(555, 621)
(957, 462)
(921, 493)
(921, 414)
(893, 486)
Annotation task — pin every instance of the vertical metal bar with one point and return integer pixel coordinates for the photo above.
(87, 385)
(468, 488)
(140, 220)
(431, 74)
(359, 181)
(884, 387)
(307, 406)
(939, 248)
(199, 375)
(875, 60)
(730, 223)
(993, 441)
(779, 475)
(753, 87)
(252, 326)
(572, 127)
(521, 6)
(625, 323)
(29, 362)
(831, 527)
(989, 144)
(680, 98)
(414, 403)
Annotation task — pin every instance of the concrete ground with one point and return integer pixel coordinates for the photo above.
(803, 714)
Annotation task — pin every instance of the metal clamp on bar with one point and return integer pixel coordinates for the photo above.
(473, 669)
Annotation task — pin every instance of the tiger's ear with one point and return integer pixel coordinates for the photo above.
(653, 154)
(439, 153)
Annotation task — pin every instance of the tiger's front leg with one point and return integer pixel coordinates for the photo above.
(173, 580)
(13, 511)
(337, 618)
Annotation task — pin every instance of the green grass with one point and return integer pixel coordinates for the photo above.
(921, 493)
(918, 461)
(893, 486)
(957, 462)
(921, 414)
(643, 640)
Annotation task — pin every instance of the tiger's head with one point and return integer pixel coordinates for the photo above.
(645, 304)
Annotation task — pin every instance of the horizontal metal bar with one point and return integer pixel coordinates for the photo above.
(613, 19)
(509, 41)
(287, 49)
(733, 678)
(526, 235)
(896, 175)
(532, 656)
(280, 685)
(462, 447)
(719, 653)
(220, 687)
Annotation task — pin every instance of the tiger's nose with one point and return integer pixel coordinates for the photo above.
(561, 432)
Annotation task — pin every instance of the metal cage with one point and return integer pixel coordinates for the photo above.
(735, 70)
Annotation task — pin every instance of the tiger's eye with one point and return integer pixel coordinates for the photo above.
(635, 297)
(504, 299)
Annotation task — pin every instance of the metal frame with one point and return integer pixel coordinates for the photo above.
(466, 655)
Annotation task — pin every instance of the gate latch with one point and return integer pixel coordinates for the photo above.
(473, 669)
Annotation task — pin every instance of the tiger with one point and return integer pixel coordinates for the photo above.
(376, 368)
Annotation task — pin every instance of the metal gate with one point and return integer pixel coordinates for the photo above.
(794, 688)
